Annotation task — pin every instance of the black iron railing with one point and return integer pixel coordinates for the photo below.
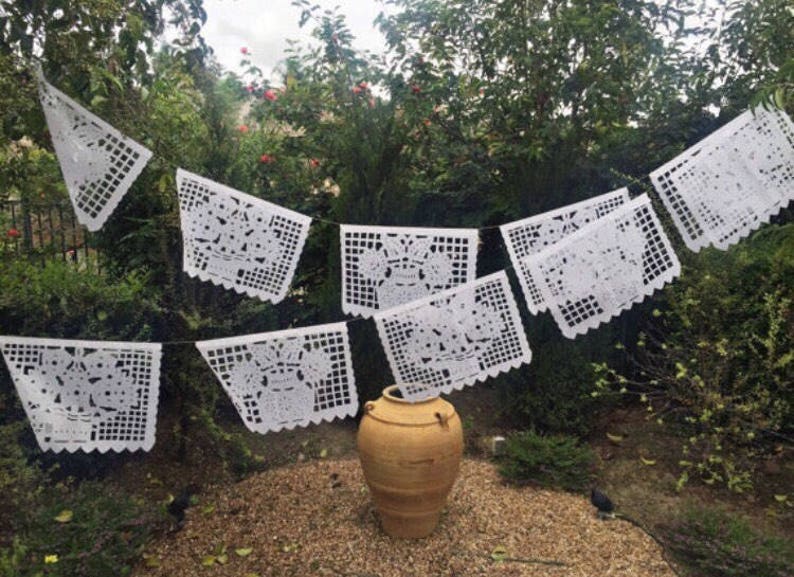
(44, 232)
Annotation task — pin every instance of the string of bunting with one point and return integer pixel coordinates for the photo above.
(441, 327)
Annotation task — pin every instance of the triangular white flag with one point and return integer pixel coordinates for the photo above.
(604, 268)
(86, 395)
(454, 338)
(732, 181)
(238, 241)
(286, 379)
(530, 235)
(385, 266)
(98, 162)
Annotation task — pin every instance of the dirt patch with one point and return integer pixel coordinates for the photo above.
(639, 469)
(315, 519)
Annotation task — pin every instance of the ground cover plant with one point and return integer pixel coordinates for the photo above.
(556, 461)
(712, 541)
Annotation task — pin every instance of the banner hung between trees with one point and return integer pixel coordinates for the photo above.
(286, 378)
(88, 395)
(441, 327)
(98, 162)
(238, 241)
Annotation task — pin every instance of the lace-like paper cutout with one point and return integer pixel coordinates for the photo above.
(287, 378)
(86, 395)
(531, 235)
(383, 267)
(454, 338)
(238, 241)
(604, 268)
(731, 182)
(98, 162)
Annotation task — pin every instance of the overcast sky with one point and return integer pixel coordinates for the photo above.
(265, 27)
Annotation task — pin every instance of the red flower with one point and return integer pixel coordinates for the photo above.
(244, 50)
(363, 85)
(314, 163)
(427, 122)
(13, 233)
(270, 95)
(415, 88)
(357, 90)
(372, 103)
(242, 129)
(249, 88)
(267, 159)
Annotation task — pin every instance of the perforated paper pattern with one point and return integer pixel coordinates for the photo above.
(605, 267)
(454, 338)
(98, 162)
(287, 378)
(731, 182)
(531, 235)
(86, 395)
(238, 241)
(383, 267)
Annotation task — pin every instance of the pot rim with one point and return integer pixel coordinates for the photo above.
(387, 393)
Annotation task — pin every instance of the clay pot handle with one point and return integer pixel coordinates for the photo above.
(369, 406)
(443, 419)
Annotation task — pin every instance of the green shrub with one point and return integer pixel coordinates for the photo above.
(100, 532)
(62, 300)
(718, 362)
(553, 393)
(20, 481)
(716, 542)
(556, 461)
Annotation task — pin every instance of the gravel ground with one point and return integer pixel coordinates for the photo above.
(316, 519)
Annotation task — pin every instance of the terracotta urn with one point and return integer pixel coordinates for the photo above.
(410, 453)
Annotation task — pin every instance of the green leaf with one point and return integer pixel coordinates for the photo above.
(499, 553)
(780, 100)
(64, 516)
(781, 498)
(243, 551)
(151, 560)
(208, 560)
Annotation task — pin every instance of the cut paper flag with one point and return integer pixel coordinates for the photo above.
(238, 241)
(98, 162)
(732, 181)
(604, 268)
(286, 379)
(454, 338)
(86, 395)
(383, 267)
(531, 235)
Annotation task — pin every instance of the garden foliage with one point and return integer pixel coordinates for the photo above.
(718, 360)
(556, 461)
(479, 113)
(710, 541)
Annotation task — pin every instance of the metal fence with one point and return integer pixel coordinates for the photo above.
(45, 232)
